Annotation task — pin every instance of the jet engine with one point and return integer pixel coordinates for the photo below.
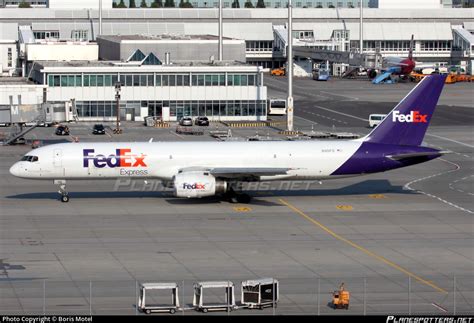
(198, 184)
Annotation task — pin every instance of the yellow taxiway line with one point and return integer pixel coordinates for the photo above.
(364, 250)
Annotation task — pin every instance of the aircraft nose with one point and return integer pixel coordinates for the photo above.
(15, 170)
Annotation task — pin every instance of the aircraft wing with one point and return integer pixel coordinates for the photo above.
(236, 172)
(239, 172)
(416, 155)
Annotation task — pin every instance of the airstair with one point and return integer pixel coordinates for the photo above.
(383, 78)
(351, 72)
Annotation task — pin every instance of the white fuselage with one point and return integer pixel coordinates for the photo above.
(163, 160)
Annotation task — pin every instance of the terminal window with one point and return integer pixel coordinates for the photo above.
(46, 34)
(9, 57)
(79, 34)
(435, 45)
(209, 108)
(109, 80)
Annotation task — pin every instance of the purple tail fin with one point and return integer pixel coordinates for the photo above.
(406, 124)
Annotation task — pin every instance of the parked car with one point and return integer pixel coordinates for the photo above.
(19, 141)
(62, 130)
(202, 121)
(278, 71)
(98, 129)
(185, 121)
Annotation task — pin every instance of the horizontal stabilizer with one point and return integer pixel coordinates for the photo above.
(417, 155)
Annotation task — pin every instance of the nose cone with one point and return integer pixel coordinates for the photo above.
(15, 170)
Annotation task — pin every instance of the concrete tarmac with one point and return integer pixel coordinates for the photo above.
(400, 241)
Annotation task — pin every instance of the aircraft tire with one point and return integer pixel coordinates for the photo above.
(244, 198)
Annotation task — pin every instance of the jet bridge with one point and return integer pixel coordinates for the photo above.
(23, 118)
(352, 59)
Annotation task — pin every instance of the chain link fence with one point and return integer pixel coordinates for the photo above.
(312, 296)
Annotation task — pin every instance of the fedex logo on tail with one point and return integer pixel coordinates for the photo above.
(123, 157)
(413, 117)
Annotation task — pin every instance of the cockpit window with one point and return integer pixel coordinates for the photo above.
(30, 159)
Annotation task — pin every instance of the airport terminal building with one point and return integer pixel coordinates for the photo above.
(224, 90)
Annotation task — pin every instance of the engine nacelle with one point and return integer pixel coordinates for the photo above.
(198, 184)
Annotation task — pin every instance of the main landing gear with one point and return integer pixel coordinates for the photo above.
(237, 197)
(62, 190)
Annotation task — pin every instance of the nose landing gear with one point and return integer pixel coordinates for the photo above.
(62, 190)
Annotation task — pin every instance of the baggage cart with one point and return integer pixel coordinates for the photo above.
(147, 301)
(260, 293)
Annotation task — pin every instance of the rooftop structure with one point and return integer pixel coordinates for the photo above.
(180, 47)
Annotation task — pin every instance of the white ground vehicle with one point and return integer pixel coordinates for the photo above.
(277, 107)
(375, 119)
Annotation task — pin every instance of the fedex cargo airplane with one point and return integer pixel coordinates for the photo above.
(200, 169)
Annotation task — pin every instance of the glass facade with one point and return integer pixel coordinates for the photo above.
(209, 108)
(95, 109)
(279, 3)
(258, 46)
(153, 79)
(46, 34)
(435, 46)
(403, 45)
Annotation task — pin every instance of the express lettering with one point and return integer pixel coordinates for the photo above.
(414, 117)
(123, 157)
(195, 186)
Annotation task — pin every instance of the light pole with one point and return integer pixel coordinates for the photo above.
(361, 27)
(118, 87)
(220, 31)
(289, 69)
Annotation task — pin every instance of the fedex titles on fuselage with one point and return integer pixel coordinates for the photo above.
(122, 158)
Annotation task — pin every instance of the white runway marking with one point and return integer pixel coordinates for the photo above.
(178, 135)
(341, 113)
(407, 186)
(343, 96)
(458, 142)
(458, 180)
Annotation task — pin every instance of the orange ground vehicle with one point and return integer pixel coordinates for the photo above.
(450, 79)
(278, 71)
(464, 78)
(341, 298)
